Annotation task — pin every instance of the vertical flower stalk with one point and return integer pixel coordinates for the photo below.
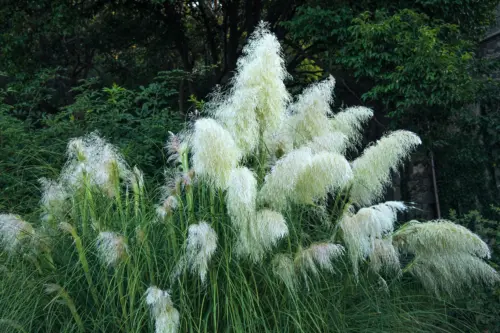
(64, 226)
(60, 292)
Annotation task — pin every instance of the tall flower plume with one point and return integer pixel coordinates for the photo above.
(166, 317)
(261, 234)
(215, 154)
(372, 170)
(257, 100)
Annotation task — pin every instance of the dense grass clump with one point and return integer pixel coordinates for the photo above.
(262, 226)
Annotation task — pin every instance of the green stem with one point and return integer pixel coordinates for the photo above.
(85, 264)
(120, 277)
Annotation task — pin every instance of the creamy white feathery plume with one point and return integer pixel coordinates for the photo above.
(257, 99)
(13, 232)
(361, 230)
(271, 227)
(53, 200)
(334, 142)
(241, 196)
(350, 121)
(447, 256)
(261, 234)
(317, 256)
(279, 184)
(384, 257)
(166, 317)
(372, 170)
(98, 160)
(200, 247)
(215, 154)
(112, 248)
(325, 172)
(311, 111)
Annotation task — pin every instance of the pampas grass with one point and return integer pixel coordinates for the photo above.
(243, 237)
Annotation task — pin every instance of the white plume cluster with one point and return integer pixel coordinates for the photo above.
(215, 154)
(372, 170)
(310, 114)
(350, 122)
(96, 160)
(447, 256)
(200, 247)
(361, 230)
(13, 232)
(112, 248)
(166, 317)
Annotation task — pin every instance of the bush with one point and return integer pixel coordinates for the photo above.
(263, 225)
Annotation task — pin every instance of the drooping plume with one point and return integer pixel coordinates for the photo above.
(261, 234)
(384, 257)
(200, 247)
(373, 169)
(447, 256)
(361, 230)
(112, 248)
(241, 197)
(215, 154)
(284, 269)
(13, 232)
(166, 317)
(325, 172)
(317, 256)
(311, 111)
(350, 122)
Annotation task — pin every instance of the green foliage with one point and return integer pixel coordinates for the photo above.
(139, 121)
(412, 68)
(484, 307)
